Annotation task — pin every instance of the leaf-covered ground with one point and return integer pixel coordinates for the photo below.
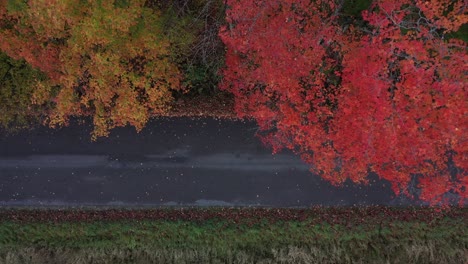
(235, 235)
(219, 105)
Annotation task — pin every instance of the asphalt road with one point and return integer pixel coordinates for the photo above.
(172, 162)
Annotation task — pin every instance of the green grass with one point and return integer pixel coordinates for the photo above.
(376, 239)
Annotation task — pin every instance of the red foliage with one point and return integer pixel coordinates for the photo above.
(390, 99)
(21, 43)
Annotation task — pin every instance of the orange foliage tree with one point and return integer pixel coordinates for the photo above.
(388, 97)
(111, 62)
(19, 40)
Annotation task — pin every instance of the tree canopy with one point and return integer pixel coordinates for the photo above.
(113, 60)
(386, 95)
(17, 84)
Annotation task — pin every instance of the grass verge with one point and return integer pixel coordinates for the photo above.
(222, 235)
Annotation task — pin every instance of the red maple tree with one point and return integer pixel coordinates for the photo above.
(387, 97)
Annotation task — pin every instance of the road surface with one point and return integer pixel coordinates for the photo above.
(172, 162)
